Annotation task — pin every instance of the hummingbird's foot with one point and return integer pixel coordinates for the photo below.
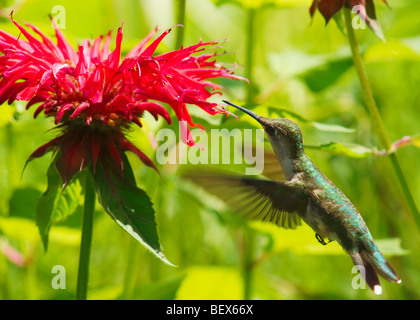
(320, 240)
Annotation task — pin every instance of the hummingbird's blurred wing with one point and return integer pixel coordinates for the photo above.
(272, 168)
(265, 200)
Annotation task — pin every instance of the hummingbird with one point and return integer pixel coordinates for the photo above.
(305, 194)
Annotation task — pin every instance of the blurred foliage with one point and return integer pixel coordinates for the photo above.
(302, 70)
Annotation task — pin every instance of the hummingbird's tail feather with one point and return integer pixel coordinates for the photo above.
(374, 263)
(381, 265)
(368, 272)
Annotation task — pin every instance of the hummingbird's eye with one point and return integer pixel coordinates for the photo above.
(269, 130)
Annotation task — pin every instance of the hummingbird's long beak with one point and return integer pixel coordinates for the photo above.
(250, 113)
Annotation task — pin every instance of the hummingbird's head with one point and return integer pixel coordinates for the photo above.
(281, 132)
(284, 132)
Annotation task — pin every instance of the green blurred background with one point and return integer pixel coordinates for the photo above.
(298, 65)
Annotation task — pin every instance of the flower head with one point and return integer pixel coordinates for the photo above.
(94, 95)
(364, 8)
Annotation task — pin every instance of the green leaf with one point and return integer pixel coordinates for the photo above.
(24, 209)
(330, 127)
(391, 247)
(129, 206)
(347, 149)
(317, 71)
(55, 204)
(323, 76)
(318, 125)
(339, 20)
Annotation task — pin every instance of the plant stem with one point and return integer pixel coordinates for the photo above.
(250, 54)
(180, 19)
(365, 86)
(248, 235)
(405, 188)
(86, 243)
(375, 116)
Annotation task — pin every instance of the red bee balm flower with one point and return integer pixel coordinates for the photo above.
(94, 96)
